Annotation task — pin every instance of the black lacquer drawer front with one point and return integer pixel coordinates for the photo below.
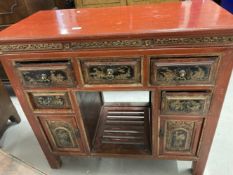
(180, 103)
(44, 101)
(183, 71)
(46, 74)
(111, 71)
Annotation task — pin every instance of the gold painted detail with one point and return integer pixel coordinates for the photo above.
(45, 77)
(111, 72)
(179, 135)
(178, 73)
(50, 101)
(32, 47)
(63, 134)
(186, 106)
(124, 43)
(113, 44)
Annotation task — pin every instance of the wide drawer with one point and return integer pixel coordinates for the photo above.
(39, 74)
(111, 71)
(185, 103)
(180, 71)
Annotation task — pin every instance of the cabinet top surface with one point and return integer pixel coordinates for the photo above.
(164, 18)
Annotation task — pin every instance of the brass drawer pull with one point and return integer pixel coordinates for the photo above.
(110, 74)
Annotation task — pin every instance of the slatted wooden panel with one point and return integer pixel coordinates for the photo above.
(123, 130)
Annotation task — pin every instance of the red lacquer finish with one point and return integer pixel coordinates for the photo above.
(59, 62)
(187, 16)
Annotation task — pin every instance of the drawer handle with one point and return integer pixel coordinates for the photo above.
(110, 74)
(182, 73)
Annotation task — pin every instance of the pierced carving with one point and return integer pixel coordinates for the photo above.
(192, 73)
(123, 43)
(179, 135)
(63, 134)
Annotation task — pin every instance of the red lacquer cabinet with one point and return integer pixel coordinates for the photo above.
(62, 69)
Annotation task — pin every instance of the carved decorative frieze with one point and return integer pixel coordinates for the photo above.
(179, 135)
(120, 43)
(32, 47)
(63, 134)
(113, 44)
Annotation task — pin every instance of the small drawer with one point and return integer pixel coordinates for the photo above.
(179, 71)
(49, 101)
(111, 71)
(39, 74)
(180, 103)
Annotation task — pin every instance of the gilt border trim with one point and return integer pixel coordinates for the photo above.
(120, 43)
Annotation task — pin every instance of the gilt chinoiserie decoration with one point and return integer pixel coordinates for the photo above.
(183, 71)
(49, 75)
(49, 100)
(63, 131)
(62, 63)
(178, 135)
(116, 71)
(185, 103)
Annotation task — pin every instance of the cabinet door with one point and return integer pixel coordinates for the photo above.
(179, 136)
(62, 132)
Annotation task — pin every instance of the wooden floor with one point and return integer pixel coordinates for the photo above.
(13, 166)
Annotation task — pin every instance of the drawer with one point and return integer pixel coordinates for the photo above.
(49, 101)
(112, 71)
(181, 103)
(99, 3)
(40, 74)
(180, 71)
(62, 132)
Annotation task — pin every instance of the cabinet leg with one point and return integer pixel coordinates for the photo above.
(54, 161)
